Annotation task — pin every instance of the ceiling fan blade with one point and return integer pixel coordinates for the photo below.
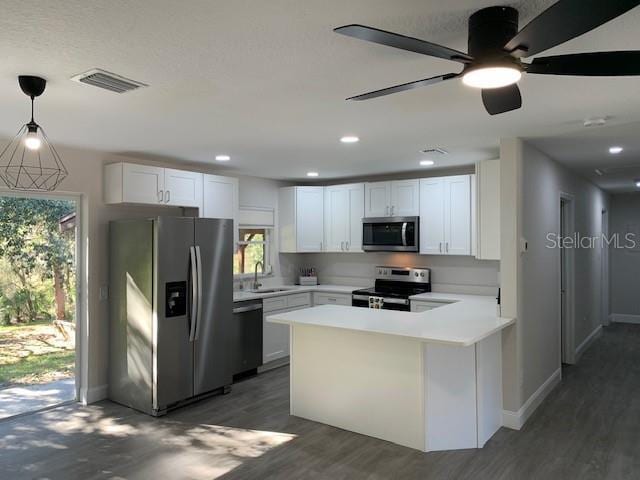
(404, 86)
(501, 100)
(402, 42)
(564, 20)
(597, 64)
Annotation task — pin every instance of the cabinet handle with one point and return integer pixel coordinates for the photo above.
(347, 245)
(446, 246)
(342, 246)
(392, 208)
(160, 196)
(320, 246)
(387, 210)
(168, 196)
(440, 247)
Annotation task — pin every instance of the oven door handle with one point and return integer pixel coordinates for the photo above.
(404, 234)
(360, 297)
(394, 301)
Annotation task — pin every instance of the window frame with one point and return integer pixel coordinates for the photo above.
(268, 271)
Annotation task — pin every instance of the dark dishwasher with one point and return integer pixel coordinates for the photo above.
(247, 337)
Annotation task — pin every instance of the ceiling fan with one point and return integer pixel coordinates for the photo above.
(496, 47)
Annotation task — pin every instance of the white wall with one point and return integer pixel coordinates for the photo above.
(624, 268)
(533, 354)
(449, 273)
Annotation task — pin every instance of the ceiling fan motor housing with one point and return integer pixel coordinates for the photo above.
(489, 31)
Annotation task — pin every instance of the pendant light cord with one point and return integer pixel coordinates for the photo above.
(32, 121)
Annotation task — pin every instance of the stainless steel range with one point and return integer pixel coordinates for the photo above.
(394, 285)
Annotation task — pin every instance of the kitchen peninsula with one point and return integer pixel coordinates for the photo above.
(429, 381)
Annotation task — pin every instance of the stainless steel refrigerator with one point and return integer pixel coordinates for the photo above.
(171, 303)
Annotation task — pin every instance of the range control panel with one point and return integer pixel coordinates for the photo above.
(404, 274)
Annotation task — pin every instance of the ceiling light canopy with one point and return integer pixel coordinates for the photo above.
(491, 77)
(223, 158)
(349, 139)
(615, 150)
(427, 163)
(29, 161)
(312, 174)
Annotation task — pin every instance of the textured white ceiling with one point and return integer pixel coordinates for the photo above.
(265, 82)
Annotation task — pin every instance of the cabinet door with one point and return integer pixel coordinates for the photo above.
(432, 216)
(336, 218)
(182, 188)
(275, 340)
(309, 219)
(355, 214)
(488, 209)
(377, 201)
(405, 198)
(220, 197)
(142, 184)
(457, 221)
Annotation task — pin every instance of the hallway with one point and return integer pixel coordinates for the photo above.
(588, 428)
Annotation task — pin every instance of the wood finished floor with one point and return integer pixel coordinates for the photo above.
(588, 428)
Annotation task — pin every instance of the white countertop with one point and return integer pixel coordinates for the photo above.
(239, 296)
(463, 321)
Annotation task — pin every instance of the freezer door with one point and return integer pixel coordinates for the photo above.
(173, 352)
(212, 355)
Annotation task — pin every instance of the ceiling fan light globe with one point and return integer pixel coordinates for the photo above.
(491, 77)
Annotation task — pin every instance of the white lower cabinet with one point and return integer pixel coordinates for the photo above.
(331, 299)
(275, 336)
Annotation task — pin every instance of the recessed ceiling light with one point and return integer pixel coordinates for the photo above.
(427, 163)
(312, 174)
(637, 183)
(349, 139)
(223, 158)
(491, 77)
(615, 150)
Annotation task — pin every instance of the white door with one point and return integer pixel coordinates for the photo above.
(336, 218)
(182, 188)
(220, 197)
(377, 199)
(142, 184)
(457, 215)
(309, 219)
(405, 198)
(432, 216)
(356, 213)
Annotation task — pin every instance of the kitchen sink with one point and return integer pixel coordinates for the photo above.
(271, 290)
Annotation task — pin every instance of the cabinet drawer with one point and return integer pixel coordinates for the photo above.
(417, 306)
(274, 303)
(298, 300)
(331, 299)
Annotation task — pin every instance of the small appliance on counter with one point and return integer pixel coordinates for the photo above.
(393, 287)
(308, 277)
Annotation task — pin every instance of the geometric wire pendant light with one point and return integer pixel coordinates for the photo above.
(29, 161)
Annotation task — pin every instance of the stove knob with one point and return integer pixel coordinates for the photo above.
(416, 274)
(422, 274)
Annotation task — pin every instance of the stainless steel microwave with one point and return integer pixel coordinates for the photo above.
(390, 234)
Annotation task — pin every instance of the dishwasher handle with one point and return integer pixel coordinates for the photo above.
(248, 308)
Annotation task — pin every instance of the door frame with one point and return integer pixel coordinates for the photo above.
(567, 342)
(82, 280)
(604, 271)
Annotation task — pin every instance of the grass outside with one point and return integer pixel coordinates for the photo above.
(34, 353)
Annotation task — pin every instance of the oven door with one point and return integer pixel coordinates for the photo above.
(389, 303)
(390, 234)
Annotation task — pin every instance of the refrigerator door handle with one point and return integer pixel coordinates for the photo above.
(194, 294)
(199, 300)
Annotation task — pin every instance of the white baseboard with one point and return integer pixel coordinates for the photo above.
(94, 394)
(624, 318)
(516, 420)
(592, 337)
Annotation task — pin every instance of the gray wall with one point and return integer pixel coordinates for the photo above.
(624, 268)
(449, 273)
(537, 353)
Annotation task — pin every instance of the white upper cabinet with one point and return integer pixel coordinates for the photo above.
(405, 198)
(182, 188)
(145, 184)
(220, 197)
(445, 215)
(487, 202)
(400, 198)
(378, 199)
(301, 219)
(343, 212)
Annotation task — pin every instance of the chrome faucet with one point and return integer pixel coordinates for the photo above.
(256, 284)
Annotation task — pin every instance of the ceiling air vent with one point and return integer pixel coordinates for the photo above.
(434, 151)
(108, 81)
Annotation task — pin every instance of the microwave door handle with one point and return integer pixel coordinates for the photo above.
(404, 234)
(199, 263)
(194, 294)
